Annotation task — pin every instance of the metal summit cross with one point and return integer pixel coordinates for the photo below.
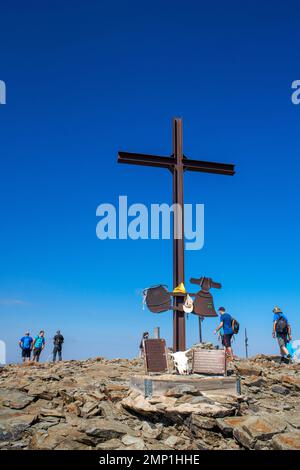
(177, 163)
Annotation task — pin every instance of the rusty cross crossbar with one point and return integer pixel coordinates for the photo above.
(177, 163)
(170, 162)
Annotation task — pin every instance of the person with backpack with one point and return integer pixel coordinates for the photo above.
(282, 331)
(38, 345)
(58, 342)
(227, 324)
(25, 344)
(144, 337)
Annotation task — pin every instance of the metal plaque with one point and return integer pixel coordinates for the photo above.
(155, 355)
(148, 388)
(209, 361)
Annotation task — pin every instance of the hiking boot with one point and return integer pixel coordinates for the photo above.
(285, 360)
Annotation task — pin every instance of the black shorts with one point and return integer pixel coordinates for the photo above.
(227, 340)
(26, 353)
(37, 352)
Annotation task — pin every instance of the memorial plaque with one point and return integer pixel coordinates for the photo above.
(155, 355)
(209, 361)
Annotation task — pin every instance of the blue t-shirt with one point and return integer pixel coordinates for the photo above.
(227, 320)
(39, 341)
(278, 315)
(26, 342)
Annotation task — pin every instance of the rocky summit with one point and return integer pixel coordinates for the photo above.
(89, 405)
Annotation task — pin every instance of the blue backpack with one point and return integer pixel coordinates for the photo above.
(39, 341)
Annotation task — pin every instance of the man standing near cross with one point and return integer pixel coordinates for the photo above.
(177, 163)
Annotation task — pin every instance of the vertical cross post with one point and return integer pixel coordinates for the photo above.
(178, 235)
(177, 164)
(200, 330)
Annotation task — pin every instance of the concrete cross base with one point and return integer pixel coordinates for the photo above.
(155, 385)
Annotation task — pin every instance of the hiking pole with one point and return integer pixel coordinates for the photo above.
(246, 343)
(200, 329)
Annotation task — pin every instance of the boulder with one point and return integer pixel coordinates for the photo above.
(292, 418)
(134, 443)
(41, 390)
(227, 425)
(13, 425)
(103, 429)
(67, 396)
(291, 380)
(280, 389)
(287, 441)
(61, 436)
(173, 441)
(111, 444)
(257, 428)
(196, 422)
(246, 369)
(254, 381)
(203, 409)
(54, 412)
(88, 408)
(173, 410)
(151, 431)
(73, 408)
(14, 399)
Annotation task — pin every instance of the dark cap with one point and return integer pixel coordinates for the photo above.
(221, 309)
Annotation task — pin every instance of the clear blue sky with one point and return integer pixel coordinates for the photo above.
(85, 79)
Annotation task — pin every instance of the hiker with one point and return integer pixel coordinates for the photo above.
(58, 342)
(145, 336)
(226, 324)
(38, 345)
(282, 331)
(25, 344)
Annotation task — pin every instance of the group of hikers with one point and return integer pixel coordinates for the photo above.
(226, 329)
(36, 345)
(281, 331)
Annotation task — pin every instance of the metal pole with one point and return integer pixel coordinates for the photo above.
(178, 243)
(157, 332)
(246, 343)
(200, 329)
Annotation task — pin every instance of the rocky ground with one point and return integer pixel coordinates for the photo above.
(88, 405)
